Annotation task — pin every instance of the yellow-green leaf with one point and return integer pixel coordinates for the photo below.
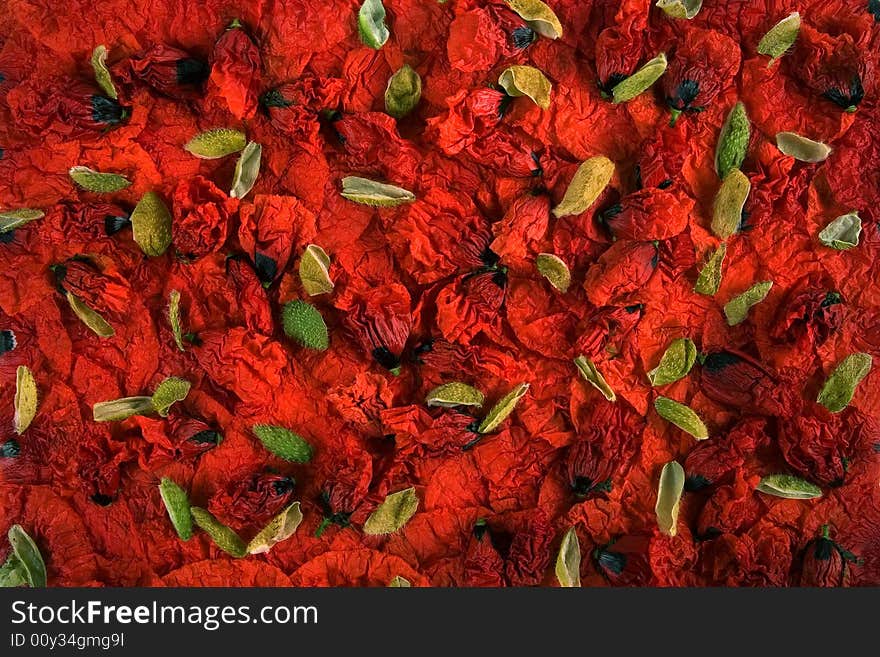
(280, 528)
(371, 24)
(216, 143)
(780, 37)
(686, 9)
(676, 362)
(151, 225)
(801, 148)
(171, 390)
(591, 373)
(370, 192)
(502, 410)
(737, 309)
(526, 81)
(733, 141)
(640, 81)
(89, 317)
(28, 556)
(709, 279)
(314, 271)
(403, 92)
(842, 233)
(174, 318)
(538, 16)
(669, 497)
(12, 219)
(681, 416)
(840, 387)
(393, 513)
(246, 170)
(177, 505)
(224, 537)
(26, 397)
(449, 395)
(588, 182)
(554, 269)
(568, 561)
(729, 203)
(95, 181)
(102, 73)
(788, 487)
(120, 409)
(398, 582)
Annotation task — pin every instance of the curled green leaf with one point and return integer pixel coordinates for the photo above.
(12, 219)
(246, 170)
(686, 9)
(801, 148)
(588, 182)
(314, 271)
(224, 537)
(89, 317)
(121, 409)
(303, 323)
(554, 269)
(177, 505)
(502, 410)
(216, 143)
(590, 372)
(842, 233)
(284, 443)
(640, 81)
(568, 561)
(709, 279)
(102, 73)
(450, 395)
(733, 141)
(25, 565)
(371, 24)
(526, 81)
(840, 387)
(669, 497)
(174, 318)
(681, 416)
(280, 528)
(370, 192)
(393, 513)
(789, 487)
(95, 181)
(167, 393)
(729, 203)
(737, 309)
(538, 16)
(780, 37)
(676, 362)
(151, 225)
(26, 398)
(403, 92)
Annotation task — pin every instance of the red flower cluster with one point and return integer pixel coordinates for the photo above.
(442, 283)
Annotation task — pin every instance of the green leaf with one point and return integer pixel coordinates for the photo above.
(669, 497)
(393, 513)
(502, 410)
(737, 309)
(403, 92)
(709, 279)
(842, 233)
(780, 37)
(591, 373)
(398, 582)
(640, 81)
(177, 504)
(371, 24)
(526, 81)
(304, 324)
(568, 561)
(102, 73)
(224, 537)
(283, 443)
(12, 573)
(171, 390)
(686, 9)
(801, 148)
(280, 528)
(370, 192)
(28, 555)
(95, 181)
(454, 394)
(789, 487)
(12, 219)
(840, 387)
(26, 398)
(538, 16)
(314, 271)
(733, 141)
(588, 182)
(216, 143)
(151, 225)
(120, 409)
(554, 269)
(729, 203)
(246, 170)
(675, 363)
(174, 318)
(681, 416)
(89, 317)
